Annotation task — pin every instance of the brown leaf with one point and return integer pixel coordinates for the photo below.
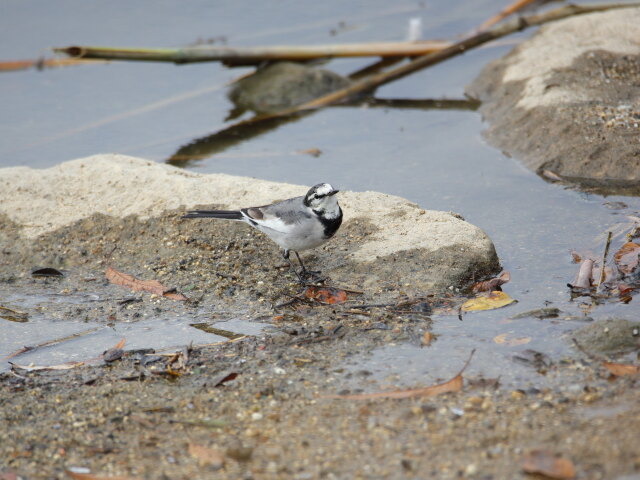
(576, 257)
(206, 455)
(620, 369)
(175, 296)
(90, 476)
(584, 279)
(548, 464)
(453, 385)
(151, 286)
(427, 338)
(491, 285)
(627, 258)
(624, 289)
(328, 295)
(223, 378)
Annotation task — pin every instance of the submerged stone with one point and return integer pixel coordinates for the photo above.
(283, 85)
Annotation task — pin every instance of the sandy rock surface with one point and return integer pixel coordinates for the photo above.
(383, 237)
(567, 101)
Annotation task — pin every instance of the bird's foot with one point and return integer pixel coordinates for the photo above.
(311, 276)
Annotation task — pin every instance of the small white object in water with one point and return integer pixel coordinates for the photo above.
(414, 33)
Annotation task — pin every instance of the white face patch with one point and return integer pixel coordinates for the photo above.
(324, 189)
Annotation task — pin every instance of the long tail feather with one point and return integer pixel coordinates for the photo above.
(224, 214)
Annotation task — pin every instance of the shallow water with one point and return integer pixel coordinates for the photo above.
(80, 341)
(436, 158)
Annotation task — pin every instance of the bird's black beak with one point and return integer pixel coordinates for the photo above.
(333, 193)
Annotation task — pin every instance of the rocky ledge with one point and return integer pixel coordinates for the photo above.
(64, 215)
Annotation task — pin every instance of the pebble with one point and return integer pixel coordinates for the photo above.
(517, 394)
(471, 469)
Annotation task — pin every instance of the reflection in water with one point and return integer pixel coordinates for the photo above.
(205, 147)
(597, 186)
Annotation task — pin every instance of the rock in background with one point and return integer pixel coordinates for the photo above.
(567, 101)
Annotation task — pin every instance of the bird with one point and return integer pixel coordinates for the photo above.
(295, 224)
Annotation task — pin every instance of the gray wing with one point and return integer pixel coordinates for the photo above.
(280, 216)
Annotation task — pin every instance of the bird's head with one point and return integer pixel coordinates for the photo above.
(321, 198)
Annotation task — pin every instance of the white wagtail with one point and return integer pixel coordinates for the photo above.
(295, 224)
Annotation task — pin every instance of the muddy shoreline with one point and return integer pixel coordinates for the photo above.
(142, 416)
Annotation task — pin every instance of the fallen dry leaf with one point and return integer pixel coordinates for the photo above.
(491, 285)
(552, 176)
(487, 302)
(627, 258)
(503, 339)
(453, 385)
(548, 464)
(427, 338)
(151, 286)
(620, 369)
(40, 368)
(584, 278)
(224, 378)
(329, 296)
(173, 295)
(206, 455)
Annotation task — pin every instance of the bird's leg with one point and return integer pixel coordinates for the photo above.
(313, 276)
(285, 254)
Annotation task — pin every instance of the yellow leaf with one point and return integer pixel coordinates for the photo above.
(487, 302)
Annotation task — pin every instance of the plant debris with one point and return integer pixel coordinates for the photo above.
(627, 258)
(621, 369)
(151, 286)
(489, 301)
(13, 315)
(493, 284)
(326, 295)
(453, 385)
(546, 463)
